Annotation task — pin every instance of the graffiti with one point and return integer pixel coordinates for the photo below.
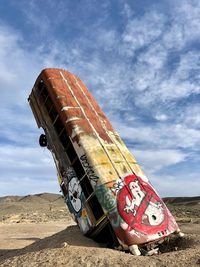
(84, 221)
(89, 170)
(74, 198)
(67, 175)
(108, 202)
(139, 206)
(70, 173)
(115, 219)
(138, 197)
(117, 186)
(74, 191)
(105, 197)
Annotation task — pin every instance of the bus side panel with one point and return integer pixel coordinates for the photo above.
(136, 212)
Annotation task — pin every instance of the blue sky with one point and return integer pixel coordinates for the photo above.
(141, 61)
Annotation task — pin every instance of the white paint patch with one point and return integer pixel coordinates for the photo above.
(72, 119)
(69, 107)
(124, 226)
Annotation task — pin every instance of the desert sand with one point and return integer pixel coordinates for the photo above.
(37, 230)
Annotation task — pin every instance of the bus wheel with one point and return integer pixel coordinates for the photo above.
(43, 140)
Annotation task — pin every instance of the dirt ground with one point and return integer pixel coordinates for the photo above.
(38, 231)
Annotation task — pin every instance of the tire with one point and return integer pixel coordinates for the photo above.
(43, 140)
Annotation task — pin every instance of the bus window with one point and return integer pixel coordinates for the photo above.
(86, 186)
(40, 85)
(48, 103)
(78, 168)
(53, 114)
(64, 139)
(95, 207)
(58, 125)
(71, 153)
(44, 93)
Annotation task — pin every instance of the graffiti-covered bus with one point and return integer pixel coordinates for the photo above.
(105, 189)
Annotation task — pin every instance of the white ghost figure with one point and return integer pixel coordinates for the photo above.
(138, 196)
(74, 191)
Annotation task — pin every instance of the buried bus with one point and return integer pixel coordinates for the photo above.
(104, 188)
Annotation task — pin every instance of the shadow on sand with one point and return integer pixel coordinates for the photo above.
(71, 235)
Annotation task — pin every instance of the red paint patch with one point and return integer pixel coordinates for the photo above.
(141, 208)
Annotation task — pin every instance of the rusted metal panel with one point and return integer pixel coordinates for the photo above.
(135, 211)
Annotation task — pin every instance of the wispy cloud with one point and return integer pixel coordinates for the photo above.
(184, 27)
(191, 116)
(143, 31)
(156, 160)
(26, 170)
(143, 70)
(181, 185)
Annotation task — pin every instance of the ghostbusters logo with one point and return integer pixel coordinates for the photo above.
(139, 205)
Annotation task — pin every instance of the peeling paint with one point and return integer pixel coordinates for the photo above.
(83, 140)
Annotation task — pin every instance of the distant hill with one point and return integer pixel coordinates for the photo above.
(182, 200)
(33, 208)
(40, 198)
(50, 197)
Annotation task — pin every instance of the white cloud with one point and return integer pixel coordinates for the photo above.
(152, 77)
(184, 81)
(26, 170)
(25, 158)
(161, 71)
(161, 117)
(191, 116)
(15, 78)
(107, 39)
(185, 25)
(142, 31)
(176, 185)
(127, 11)
(144, 70)
(157, 159)
(181, 136)
(26, 186)
(8, 39)
(162, 136)
(189, 67)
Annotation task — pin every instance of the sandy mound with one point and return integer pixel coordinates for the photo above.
(68, 247)
(81, 251)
